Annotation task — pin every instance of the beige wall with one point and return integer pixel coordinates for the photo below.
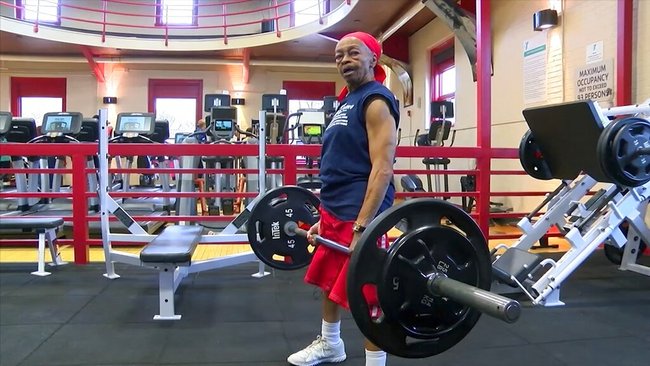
(580, 15)
(129, 84)
(581, 22)
(80, 96)
(145, 16)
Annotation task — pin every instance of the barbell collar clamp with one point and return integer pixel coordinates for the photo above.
(486, 302)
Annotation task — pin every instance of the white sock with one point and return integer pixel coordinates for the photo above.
(331, 332)
(375, 358)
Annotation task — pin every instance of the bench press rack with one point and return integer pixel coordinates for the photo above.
(169, 252)
(586, 225)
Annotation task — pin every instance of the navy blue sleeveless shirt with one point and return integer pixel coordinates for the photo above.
(345, 158)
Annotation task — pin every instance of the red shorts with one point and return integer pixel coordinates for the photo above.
(329, 267)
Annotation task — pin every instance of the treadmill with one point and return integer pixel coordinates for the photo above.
(160, 135)
(20, 130)
(5, 125)
(57, 127)
(8, 206)
(89, 133)
(137, 128)
(155, 133)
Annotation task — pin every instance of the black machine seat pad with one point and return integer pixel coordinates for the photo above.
(30, 222)
(567, 135)
(517, 263)
(436, 161)
(175, 244)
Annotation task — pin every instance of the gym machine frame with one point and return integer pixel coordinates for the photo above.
(170, 276)
(593, 225)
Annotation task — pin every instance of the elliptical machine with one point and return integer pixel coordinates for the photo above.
(439, 132)
(143, 128)
(311, 126)
(222, 129)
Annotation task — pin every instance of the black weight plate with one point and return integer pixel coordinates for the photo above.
(531, 158)
(266, 227)
(633, 134)
(604, 149)
(618, 141)
(412, 260)
(367, 269)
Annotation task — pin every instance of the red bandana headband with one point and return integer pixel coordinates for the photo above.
(374, 47)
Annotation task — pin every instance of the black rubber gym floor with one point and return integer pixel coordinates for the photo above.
(78, 317)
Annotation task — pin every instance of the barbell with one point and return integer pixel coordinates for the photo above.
(432, 282)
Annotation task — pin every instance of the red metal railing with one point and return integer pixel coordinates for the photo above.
(77, 173)
(209, 19)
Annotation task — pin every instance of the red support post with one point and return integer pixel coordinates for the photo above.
(484, 112)
(38, 12)
(104, 8)
(320, 14)
(290, 169)
(277, 19)
(98, 69)
(246, 65)
(624, 52)
(225, 31)
(79, 209)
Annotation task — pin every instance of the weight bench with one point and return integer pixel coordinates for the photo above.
(46, 228)
(170, 252)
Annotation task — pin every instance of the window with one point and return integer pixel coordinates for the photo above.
(33, 97)
(296, 104)
(178, 112)
(178, 101)
(443, 74)
(307, 11)
(36, 107)
(43, 11)
(177, 12)
(307, 94)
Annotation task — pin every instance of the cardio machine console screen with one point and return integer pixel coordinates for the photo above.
(135, 123)
(223, 129)
(62, 123)
(5, 122)
(312, 130)
(224, 126)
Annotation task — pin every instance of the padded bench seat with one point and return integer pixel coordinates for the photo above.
(175, 244)
(46, 228)
(38, 223)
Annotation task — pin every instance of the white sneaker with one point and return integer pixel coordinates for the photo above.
(318, 352)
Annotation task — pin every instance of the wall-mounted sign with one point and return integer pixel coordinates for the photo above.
(595, 81)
